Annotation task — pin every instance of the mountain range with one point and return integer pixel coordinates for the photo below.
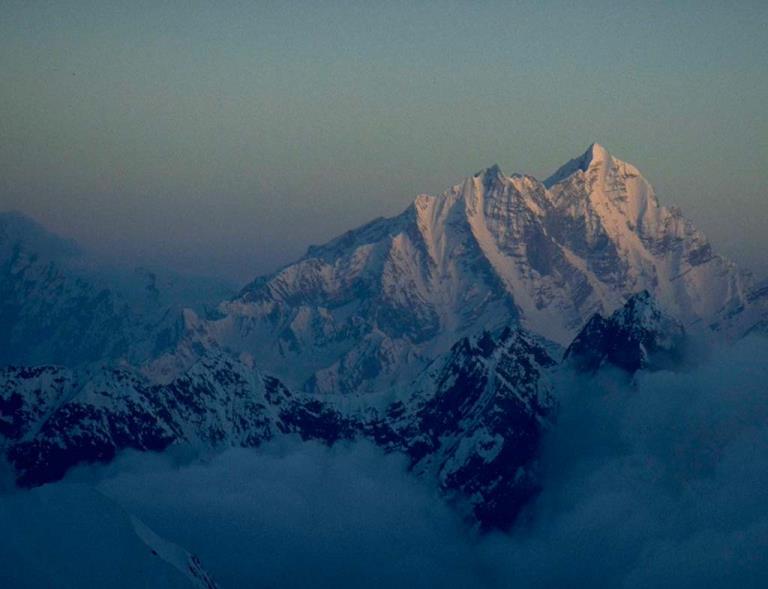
(439, 333)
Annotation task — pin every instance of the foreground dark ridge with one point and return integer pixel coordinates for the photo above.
(472, 421)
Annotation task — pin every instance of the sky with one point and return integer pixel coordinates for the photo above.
(225, 137)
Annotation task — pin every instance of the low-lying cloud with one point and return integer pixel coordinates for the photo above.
(660, 484)
(302, 515)
(663, 482)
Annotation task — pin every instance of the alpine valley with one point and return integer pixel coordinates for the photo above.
(441, 334)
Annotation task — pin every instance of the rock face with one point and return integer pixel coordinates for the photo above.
(53, 418)
(472, 421)
(636, 336)
(361, 311)
(476, 421)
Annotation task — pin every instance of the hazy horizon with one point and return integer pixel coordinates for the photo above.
(224, 141)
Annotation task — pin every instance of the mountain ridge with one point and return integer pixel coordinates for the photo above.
(433, 333)
(472, 421)
(353, 313)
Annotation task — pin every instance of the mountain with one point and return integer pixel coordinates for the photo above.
(432, 333)
(638, 335)
(476, 419)
(58, 306)
(369, 309)
(472, 421)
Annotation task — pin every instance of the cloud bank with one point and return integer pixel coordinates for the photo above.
(664, 483)
(660, 482)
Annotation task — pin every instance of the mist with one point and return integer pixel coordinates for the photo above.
(299, 515)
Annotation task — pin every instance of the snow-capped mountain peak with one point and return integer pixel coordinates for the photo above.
(368, 309)
(596, 157)
(494, 170)
(597, 154)
(374, 304)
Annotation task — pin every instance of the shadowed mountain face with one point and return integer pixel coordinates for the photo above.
(432, 333)
(472, 422)
(639, 335)
(57, 306)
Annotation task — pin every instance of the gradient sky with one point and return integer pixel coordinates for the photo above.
(224, 137)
